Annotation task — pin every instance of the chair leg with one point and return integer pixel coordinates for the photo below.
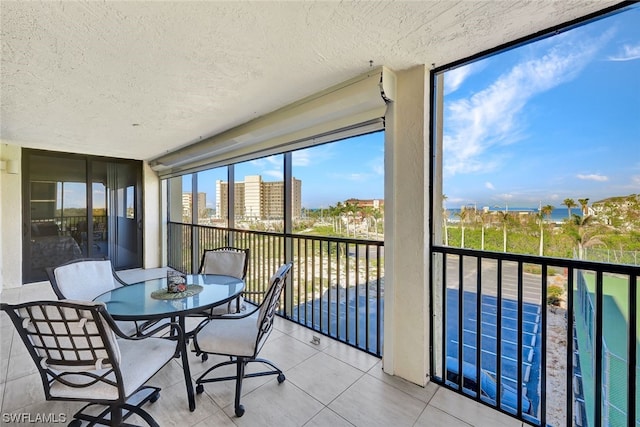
(116, 415)
(240, 364)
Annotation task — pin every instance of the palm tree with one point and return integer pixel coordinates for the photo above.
(351, 209)
(444, 220)
(545, 211)
(505, 218)
(463, 215)
(569, 203)
(583, 231)
(482, 218)
(583, 204)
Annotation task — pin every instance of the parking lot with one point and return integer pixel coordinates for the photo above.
(488, 330)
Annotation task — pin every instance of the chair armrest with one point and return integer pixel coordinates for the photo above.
(142, 334)
(252, 292)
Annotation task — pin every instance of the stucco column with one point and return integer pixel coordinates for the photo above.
(406, 337)
(10, 220)
(155, 219)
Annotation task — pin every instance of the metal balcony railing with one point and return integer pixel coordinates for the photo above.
(557, 338)
(553, 341)
(336, 286)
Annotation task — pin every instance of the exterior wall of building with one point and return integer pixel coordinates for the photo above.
(253, 202)
(187, 204)
(187, 199)
(296, 198)
(222, 197)
(10, 221)
(257, 199)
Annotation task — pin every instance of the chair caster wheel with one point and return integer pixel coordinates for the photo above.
(239, 411)
(281, 378)
(154, 397)
(75, 423)
(199, 389)
(205, 357)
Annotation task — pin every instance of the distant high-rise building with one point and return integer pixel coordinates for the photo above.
(187, 203)
(258, 199)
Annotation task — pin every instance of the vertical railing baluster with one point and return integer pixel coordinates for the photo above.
(444, 317)
(355, 300)
(321, 299)
(367, 326)
(478, 326)
(570, 349)
(460, 321)
(631, 345)
(378, 305)
(519, 339)
(367, 344)
(313, 289)
(346, 294)
(598, 350)
(499, 333)
(337, 288)
(298, 259)
(543, 349)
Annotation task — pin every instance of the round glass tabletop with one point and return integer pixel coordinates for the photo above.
(134, 302)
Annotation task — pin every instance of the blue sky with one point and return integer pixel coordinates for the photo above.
(555, 119)
(550, 120)
(329, 173)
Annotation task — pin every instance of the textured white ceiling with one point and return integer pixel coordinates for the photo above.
(139, 79)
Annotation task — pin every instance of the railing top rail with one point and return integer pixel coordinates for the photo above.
(291, 235)
(625, 269)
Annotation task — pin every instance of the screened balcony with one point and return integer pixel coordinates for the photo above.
(185, 87)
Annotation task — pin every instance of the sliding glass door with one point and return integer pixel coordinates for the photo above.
(77, 206)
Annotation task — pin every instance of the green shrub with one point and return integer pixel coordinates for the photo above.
(554, 294)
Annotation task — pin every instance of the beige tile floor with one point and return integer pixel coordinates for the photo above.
(329, 384)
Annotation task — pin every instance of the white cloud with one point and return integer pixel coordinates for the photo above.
(636, 180)
(377, 166)
(453, 79)
(492, 116)
(300, 158)
(593, 177)
(626, 53)
(357, 176)
(489, 185)
(274, 174)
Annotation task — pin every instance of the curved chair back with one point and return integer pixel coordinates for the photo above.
(226, 260)
(83, 279)
(267, 310)
(73, 347)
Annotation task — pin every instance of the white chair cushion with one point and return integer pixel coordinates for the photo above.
(230, 307)
(233, 336)
(230, 263)
(140, 360)
(85, 280)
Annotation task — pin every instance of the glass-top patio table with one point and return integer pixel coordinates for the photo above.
(143, 301)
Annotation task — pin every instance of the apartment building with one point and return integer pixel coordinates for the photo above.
(187, 203)
(258, 199)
